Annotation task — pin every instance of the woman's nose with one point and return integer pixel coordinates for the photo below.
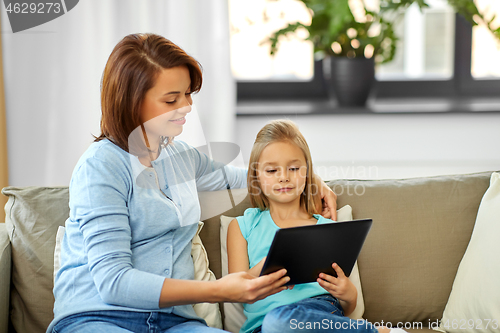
(185, 108)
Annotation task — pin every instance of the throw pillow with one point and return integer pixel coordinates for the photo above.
(234, 317)
(473, 305)
(208, 311)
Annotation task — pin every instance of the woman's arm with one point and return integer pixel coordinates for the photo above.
(213, 175)
(329, 199)
(240, 287)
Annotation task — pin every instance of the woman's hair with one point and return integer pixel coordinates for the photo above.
(282, 131)
(131, 70)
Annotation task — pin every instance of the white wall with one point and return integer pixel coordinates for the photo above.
(378, 146)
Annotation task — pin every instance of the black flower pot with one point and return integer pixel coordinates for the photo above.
(350, 80)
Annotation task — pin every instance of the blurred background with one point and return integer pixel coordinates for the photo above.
(434, 110)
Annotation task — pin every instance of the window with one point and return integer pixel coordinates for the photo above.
(425, 48)
(251, 22)
(439, 54)
(485, 48)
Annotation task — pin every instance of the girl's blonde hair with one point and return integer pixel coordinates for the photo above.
(282, 131)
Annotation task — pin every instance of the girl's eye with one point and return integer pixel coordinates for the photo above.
(270, 171)
(173, 102)
(294, 169)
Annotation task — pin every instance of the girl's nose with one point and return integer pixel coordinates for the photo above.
(284, 177)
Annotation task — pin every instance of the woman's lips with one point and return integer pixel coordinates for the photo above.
(180, 121)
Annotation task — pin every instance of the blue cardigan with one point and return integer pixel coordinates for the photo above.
(124, 236)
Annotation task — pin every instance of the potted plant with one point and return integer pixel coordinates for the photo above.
(352, 45)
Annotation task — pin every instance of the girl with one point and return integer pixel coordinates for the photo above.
(283, 190)
(126, 261)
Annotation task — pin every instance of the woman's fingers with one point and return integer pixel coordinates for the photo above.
(269, 284)
(330, 199)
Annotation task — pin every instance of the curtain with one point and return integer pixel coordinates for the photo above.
(4, 162)
(53, 73)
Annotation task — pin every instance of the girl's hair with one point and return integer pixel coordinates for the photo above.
(282, 131)
(131, 70)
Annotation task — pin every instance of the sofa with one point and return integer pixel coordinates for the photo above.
(421, 230)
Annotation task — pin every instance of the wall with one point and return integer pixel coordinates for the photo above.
(378, 146)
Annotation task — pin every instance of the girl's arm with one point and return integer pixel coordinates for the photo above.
(237, 252)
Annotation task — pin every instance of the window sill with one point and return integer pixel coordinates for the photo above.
(376, 106)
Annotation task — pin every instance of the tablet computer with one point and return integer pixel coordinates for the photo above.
(309, 250)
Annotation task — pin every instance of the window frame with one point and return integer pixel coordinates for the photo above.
(460, 84)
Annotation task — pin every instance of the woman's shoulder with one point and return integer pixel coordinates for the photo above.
(104, 150)
(104, 153)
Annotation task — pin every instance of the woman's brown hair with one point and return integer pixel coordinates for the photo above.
(282, 131)
(131, 70)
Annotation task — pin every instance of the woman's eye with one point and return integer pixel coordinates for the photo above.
(294, 169)
(173, 102)
(270, 171)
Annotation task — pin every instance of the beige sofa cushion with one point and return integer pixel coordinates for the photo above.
(420, 231)
(211, 212)
(33, 215)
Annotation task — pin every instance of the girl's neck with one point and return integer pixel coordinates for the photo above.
(290, 214)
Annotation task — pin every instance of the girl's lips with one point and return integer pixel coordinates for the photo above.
(285, 189)
(180, 121)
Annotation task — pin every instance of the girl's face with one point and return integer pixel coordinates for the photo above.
(166, 103)
(282, 172)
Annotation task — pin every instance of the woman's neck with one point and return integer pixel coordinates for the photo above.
(148, 157)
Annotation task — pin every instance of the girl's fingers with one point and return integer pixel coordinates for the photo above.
(329, 278)
(338, 270)
(331, 288)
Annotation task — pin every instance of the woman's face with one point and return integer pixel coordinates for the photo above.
(166, 103)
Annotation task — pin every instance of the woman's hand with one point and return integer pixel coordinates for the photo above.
(329, 199)
(340, 287)
(243, 287)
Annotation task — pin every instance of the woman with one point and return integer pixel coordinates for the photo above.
(125, 258)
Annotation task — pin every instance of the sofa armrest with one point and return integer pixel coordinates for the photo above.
(5, 265)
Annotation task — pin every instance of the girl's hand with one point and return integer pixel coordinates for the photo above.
(340, 287)
(329, 199)
(243, 287)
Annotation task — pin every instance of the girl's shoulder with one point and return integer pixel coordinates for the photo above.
(250, 218)
(322, 220)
